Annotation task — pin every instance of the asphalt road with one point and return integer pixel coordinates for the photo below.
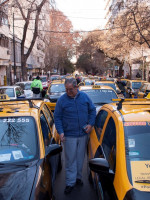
(85, 192)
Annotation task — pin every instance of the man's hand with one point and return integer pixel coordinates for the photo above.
(62, 138)
(88, 128)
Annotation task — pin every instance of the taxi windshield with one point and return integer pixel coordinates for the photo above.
(108, 84)
(101, 95)
(8, 91)
(18, 140)
(136, 85)
(56, 88)
(137, 137)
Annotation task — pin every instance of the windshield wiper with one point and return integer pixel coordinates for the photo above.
(143, 181)
(15, 164)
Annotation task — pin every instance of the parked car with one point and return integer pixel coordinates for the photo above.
(55, 90)
(26, 87)
(118, 150)
(30, 150)
(13, 92)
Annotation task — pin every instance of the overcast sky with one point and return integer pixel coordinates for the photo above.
(86, 15)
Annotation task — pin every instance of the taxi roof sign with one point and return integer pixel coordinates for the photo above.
(4, 97)
(96, 87)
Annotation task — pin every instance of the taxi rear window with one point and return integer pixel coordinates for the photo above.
(57, 88)
(18, 139)
(99, 96)
(136, 85)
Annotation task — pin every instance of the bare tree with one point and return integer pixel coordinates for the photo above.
(29, 11)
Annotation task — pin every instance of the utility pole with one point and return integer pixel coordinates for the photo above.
(14, 50)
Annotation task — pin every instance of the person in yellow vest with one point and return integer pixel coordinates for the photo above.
(36, 87)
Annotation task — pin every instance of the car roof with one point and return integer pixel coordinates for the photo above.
(14, 86)
(131, 109)
(105, 81)
(137, 80)
(20, 107)
(57, 82)
(24, 82)
(95, 87)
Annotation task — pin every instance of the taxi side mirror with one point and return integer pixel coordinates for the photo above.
(53, 149)
(99, 165)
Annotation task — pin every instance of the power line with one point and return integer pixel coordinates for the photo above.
(73, 32)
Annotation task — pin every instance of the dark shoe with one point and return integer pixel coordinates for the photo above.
(79, 182)
(68, 189)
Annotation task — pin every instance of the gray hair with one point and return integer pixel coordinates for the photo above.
(71, 80)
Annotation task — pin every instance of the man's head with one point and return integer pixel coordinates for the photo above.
(71, 87)
(38, 78)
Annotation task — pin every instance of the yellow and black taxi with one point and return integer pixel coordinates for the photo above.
(132, 87)
(99, 94)
(30, 150)
(144, 90)
(118, 150)
(55, 90)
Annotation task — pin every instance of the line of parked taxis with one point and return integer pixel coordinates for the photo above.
(118, 146)
(30, 149)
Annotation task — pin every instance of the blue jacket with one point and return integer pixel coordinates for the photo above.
(71, 114)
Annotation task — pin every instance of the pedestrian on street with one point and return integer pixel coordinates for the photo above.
(36, 87)
(74, 118)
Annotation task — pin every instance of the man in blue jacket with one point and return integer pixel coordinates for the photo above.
(74, 118)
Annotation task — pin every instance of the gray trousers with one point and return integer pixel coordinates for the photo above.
(75, 149)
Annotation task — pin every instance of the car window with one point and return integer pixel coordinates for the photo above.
(99, 122)
(18, 92)
(109, 143)
(48, 115)
(128, 84)
(56, 88)
(8, 91)
(27, 86)
(136, 85)
(101, 96)
(137, 137)
(148, 87)
(45, 129)
(143, 88)
(18, 139)
(43, 79)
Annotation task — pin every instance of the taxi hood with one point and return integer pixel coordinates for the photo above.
(16, 183)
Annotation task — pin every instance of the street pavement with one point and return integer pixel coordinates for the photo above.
(79, 192)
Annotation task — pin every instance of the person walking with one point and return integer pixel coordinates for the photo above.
(74, 118)
(36, 87)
